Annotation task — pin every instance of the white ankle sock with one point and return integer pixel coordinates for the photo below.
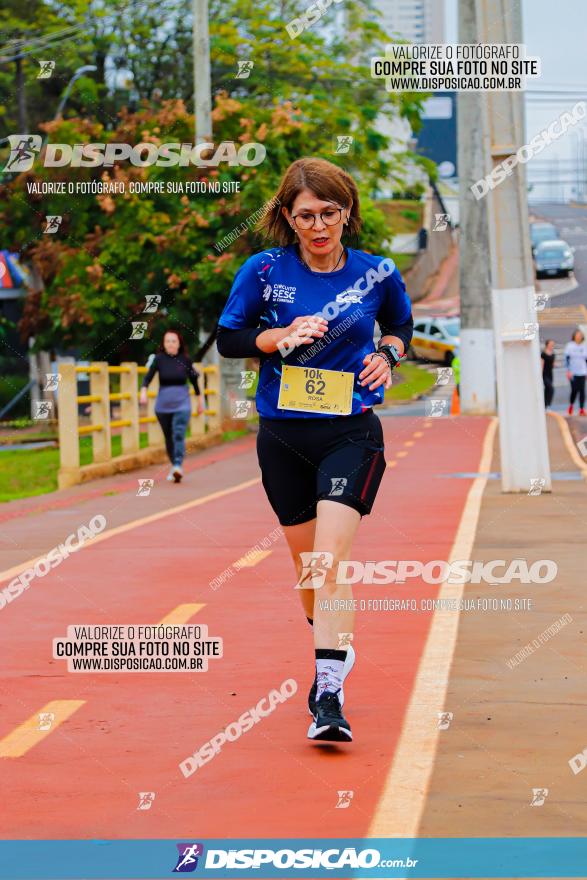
(329, 674)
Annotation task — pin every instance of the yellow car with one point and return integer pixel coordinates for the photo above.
(435, 339)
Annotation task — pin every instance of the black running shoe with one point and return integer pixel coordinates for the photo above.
(329, 723)
(348, 665)
(312, 697)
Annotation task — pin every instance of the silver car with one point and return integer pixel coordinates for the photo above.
(554, 257)
(541, 231)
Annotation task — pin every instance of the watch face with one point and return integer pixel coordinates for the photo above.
(393, 352)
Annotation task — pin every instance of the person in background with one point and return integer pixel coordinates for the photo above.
(173, 406)
(576, 364)
(456, 370)
(547, 367)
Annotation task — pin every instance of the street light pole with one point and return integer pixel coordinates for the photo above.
(522, 420)
(203, 125)
(21, 95)
(202, 76)
(477, 356)
(79, 72)
(61, 106)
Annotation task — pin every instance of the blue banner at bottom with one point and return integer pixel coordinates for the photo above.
(279, 858)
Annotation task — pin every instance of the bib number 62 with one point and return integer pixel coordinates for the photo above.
(315, 384)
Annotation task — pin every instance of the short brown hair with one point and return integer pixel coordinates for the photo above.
(181, 349)
(327, 181)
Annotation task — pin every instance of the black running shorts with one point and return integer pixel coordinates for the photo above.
(303, 460)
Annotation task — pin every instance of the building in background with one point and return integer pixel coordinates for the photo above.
(417, 21)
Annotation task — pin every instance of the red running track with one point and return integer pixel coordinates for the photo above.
(83, 779)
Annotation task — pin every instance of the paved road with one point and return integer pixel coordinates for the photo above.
(567, 306)
(572, 224)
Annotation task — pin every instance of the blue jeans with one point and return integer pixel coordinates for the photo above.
(174, 426)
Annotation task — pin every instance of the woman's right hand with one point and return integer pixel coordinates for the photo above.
(307, 328)
(301, 331)
(569, 375)
(143, 397)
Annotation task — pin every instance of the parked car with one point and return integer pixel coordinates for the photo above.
(542, 231)
(553, 258)
(436, 338)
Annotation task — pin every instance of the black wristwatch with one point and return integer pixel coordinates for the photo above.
(391, 355)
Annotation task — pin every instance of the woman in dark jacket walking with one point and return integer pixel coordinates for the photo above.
(173, 406)
(548, 359)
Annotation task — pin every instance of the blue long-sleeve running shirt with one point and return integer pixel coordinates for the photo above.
(274, 287)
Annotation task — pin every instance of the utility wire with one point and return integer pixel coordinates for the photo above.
(27, 39)
(48, 43)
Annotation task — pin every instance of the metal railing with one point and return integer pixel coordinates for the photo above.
(130, 419)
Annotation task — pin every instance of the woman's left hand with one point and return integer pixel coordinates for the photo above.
(200, 405)
(377, 371)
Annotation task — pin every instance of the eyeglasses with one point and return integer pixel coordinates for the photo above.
(306, 220)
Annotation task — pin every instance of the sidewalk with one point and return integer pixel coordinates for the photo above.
(516, 727)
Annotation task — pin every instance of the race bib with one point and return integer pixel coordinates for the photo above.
(315, 390)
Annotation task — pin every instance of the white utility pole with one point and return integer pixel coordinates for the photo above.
(202, 78)
(522, 419)
(477, 351)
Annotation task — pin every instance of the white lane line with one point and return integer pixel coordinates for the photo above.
(402, 801)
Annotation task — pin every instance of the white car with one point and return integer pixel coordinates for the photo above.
(436, 338)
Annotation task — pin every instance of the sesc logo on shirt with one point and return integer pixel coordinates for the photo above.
(283, 293)
(349, 296)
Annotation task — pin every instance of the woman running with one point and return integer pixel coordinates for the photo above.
(307, 308)
(173, 406)
(576, 364)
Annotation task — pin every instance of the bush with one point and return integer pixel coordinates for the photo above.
(10, 385)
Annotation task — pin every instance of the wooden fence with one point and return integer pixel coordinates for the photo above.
(205, 428)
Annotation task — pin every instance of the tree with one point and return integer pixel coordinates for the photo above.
(111, 251)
